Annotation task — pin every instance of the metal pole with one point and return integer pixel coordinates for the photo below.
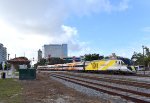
(143, 59)
(143, 54)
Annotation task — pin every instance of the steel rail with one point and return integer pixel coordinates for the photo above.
(118, 81)
(117, 88)
(80, 82)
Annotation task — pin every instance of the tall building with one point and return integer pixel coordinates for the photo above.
(3, 53)
(39, 55)
(55, 50)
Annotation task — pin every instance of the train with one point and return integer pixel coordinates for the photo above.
(105, 65)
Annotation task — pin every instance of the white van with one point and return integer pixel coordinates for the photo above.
(139, 67)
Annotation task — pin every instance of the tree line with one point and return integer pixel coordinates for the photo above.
(87, 57)
(141, 58)
(136, 59)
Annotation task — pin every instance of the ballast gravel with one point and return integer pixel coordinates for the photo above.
(91, 92)
(47, 90)
(139, 89)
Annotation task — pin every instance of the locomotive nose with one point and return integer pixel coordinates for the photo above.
(131, 68)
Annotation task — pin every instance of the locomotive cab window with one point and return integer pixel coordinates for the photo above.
(119, 62)
(122, 63)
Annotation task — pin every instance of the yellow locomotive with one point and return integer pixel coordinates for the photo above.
(114, 65)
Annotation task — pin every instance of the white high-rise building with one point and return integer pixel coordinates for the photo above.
(3, 53)
(55, 50)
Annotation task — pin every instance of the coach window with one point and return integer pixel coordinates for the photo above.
(119, 62)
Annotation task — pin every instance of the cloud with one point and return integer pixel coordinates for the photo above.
(46, 17)
(87, 7)
(70, 36)
(123, 5)
(33, 23)
(20, 44)
(146, 29)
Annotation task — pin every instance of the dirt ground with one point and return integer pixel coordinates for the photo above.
(46, 90)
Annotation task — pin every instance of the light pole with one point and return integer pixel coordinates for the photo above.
(143, 50)
(143, 58)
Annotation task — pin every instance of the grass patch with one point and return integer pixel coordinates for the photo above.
(10, 91)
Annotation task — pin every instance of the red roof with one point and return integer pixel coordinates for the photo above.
(19, 60)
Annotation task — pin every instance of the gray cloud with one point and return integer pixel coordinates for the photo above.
(46, 17)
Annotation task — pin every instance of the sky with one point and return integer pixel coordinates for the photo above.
(87, 26)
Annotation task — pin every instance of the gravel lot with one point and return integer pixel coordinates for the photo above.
(47, 90)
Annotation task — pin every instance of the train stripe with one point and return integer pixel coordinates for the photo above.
(111, 63)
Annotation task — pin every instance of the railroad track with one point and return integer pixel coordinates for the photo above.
(133, 95)
(111, 79)
(141, 75)
(134, 75)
